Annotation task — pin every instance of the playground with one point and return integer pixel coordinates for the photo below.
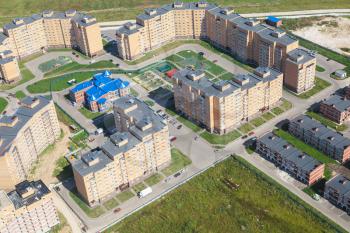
(54, 63)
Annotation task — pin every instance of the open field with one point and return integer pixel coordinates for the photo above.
(3, 104)
(268, 208)
(111, 10)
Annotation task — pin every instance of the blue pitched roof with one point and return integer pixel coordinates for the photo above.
(82, 86)
(102, 101)
(273, 19)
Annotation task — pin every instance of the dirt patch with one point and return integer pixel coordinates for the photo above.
(330, 32)
(47, 161)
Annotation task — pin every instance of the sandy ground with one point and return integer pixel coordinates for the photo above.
(331, 32)
(47, 161)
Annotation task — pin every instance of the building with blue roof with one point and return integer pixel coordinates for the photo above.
(98, 93)
(274, 21)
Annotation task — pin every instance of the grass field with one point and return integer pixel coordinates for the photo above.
(178, 161)
(124, 196)
(206, 204)
(154, 179)
(246, 128)
(220, 139)
(111, 204)
(189, 124)
(89, 114)
(3, 104)
(110, 10)
(20, 95)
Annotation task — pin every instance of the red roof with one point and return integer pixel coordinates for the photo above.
(171, 72)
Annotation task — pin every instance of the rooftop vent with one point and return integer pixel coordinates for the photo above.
(331, 138)
(150, 12)
(300, 120)
(286, 146)
(8, 121)
(202, 4)
(301, 156)
(252, 22)
(18, 21)
(262, 72)
(47, 13)
(130, 26)
(272, 137)
(315, 129)
(343, 181)
(227, 11)
(277, 34)
(70, 13)
(178, 4)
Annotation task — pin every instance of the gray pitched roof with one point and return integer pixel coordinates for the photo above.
(338, 102)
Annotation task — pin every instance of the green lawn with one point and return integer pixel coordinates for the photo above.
(178, 161)
(62, 169)
(89, 114)
(3, 104)
(91, 212)
(277, 111)
(326, 121)
(226, 76)
(174, 58)
(133, 92)
(320, 84)
(125, 195)
(257, 121)
(65, 118)
(220, 139)
(59, 83)
(268, 116)
(154, 179)
(139, 187)
(320, 69)
(111, 204)
(286, 105)
(20, 95)
(206, 204)
(149, 103)
(304, 147)
(246, 128)
(189, 124)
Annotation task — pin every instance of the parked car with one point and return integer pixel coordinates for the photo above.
(251, 133)
(173, 138)
(117, 210)
(244, 136)
(177, 174)
(179, 127)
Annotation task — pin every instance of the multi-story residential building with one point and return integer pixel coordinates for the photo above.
(30, 35)
(9, 70)
(337, 191)
(98, 93)
(298, 164)
(336, 108)
(322, 138)
(138, 150)
(23, 136)
(300, 68)
(246, 39)
(222, 106)
(28, 208)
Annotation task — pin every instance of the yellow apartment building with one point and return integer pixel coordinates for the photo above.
(27, 208)
(222, 106)
(246, 39)
(140, 148)
(23, 136)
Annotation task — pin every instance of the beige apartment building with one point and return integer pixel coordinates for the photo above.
(23, 136)
(221, 106)
(9, 70)
(139, 149)
(30, 35)
(300, 69)
(28, 208)
(246, 39)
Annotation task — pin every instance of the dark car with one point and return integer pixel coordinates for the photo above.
(177, 174)
(117, 210)
(251, 133)
(245, 136)
(179, 127)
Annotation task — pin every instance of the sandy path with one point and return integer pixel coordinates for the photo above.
(48, 161)
(331, 32)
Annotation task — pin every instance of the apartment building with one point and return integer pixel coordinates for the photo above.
(336, 108)
(139, 149)
(9, 70)
(296, 163)
(28, 208)
(246, 39)
(322, 138)
(23, 136)
(300, 70)
(99, 93)
(34, 34)
(337, 191)
(221, 106)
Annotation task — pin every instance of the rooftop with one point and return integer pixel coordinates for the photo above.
(27, 193)
(322, 132)
(301, 55)
(338, 102)
(341, 184)
(290, 153)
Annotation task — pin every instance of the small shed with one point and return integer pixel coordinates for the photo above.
(171, 72)
(340, 74)
(273, 21)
